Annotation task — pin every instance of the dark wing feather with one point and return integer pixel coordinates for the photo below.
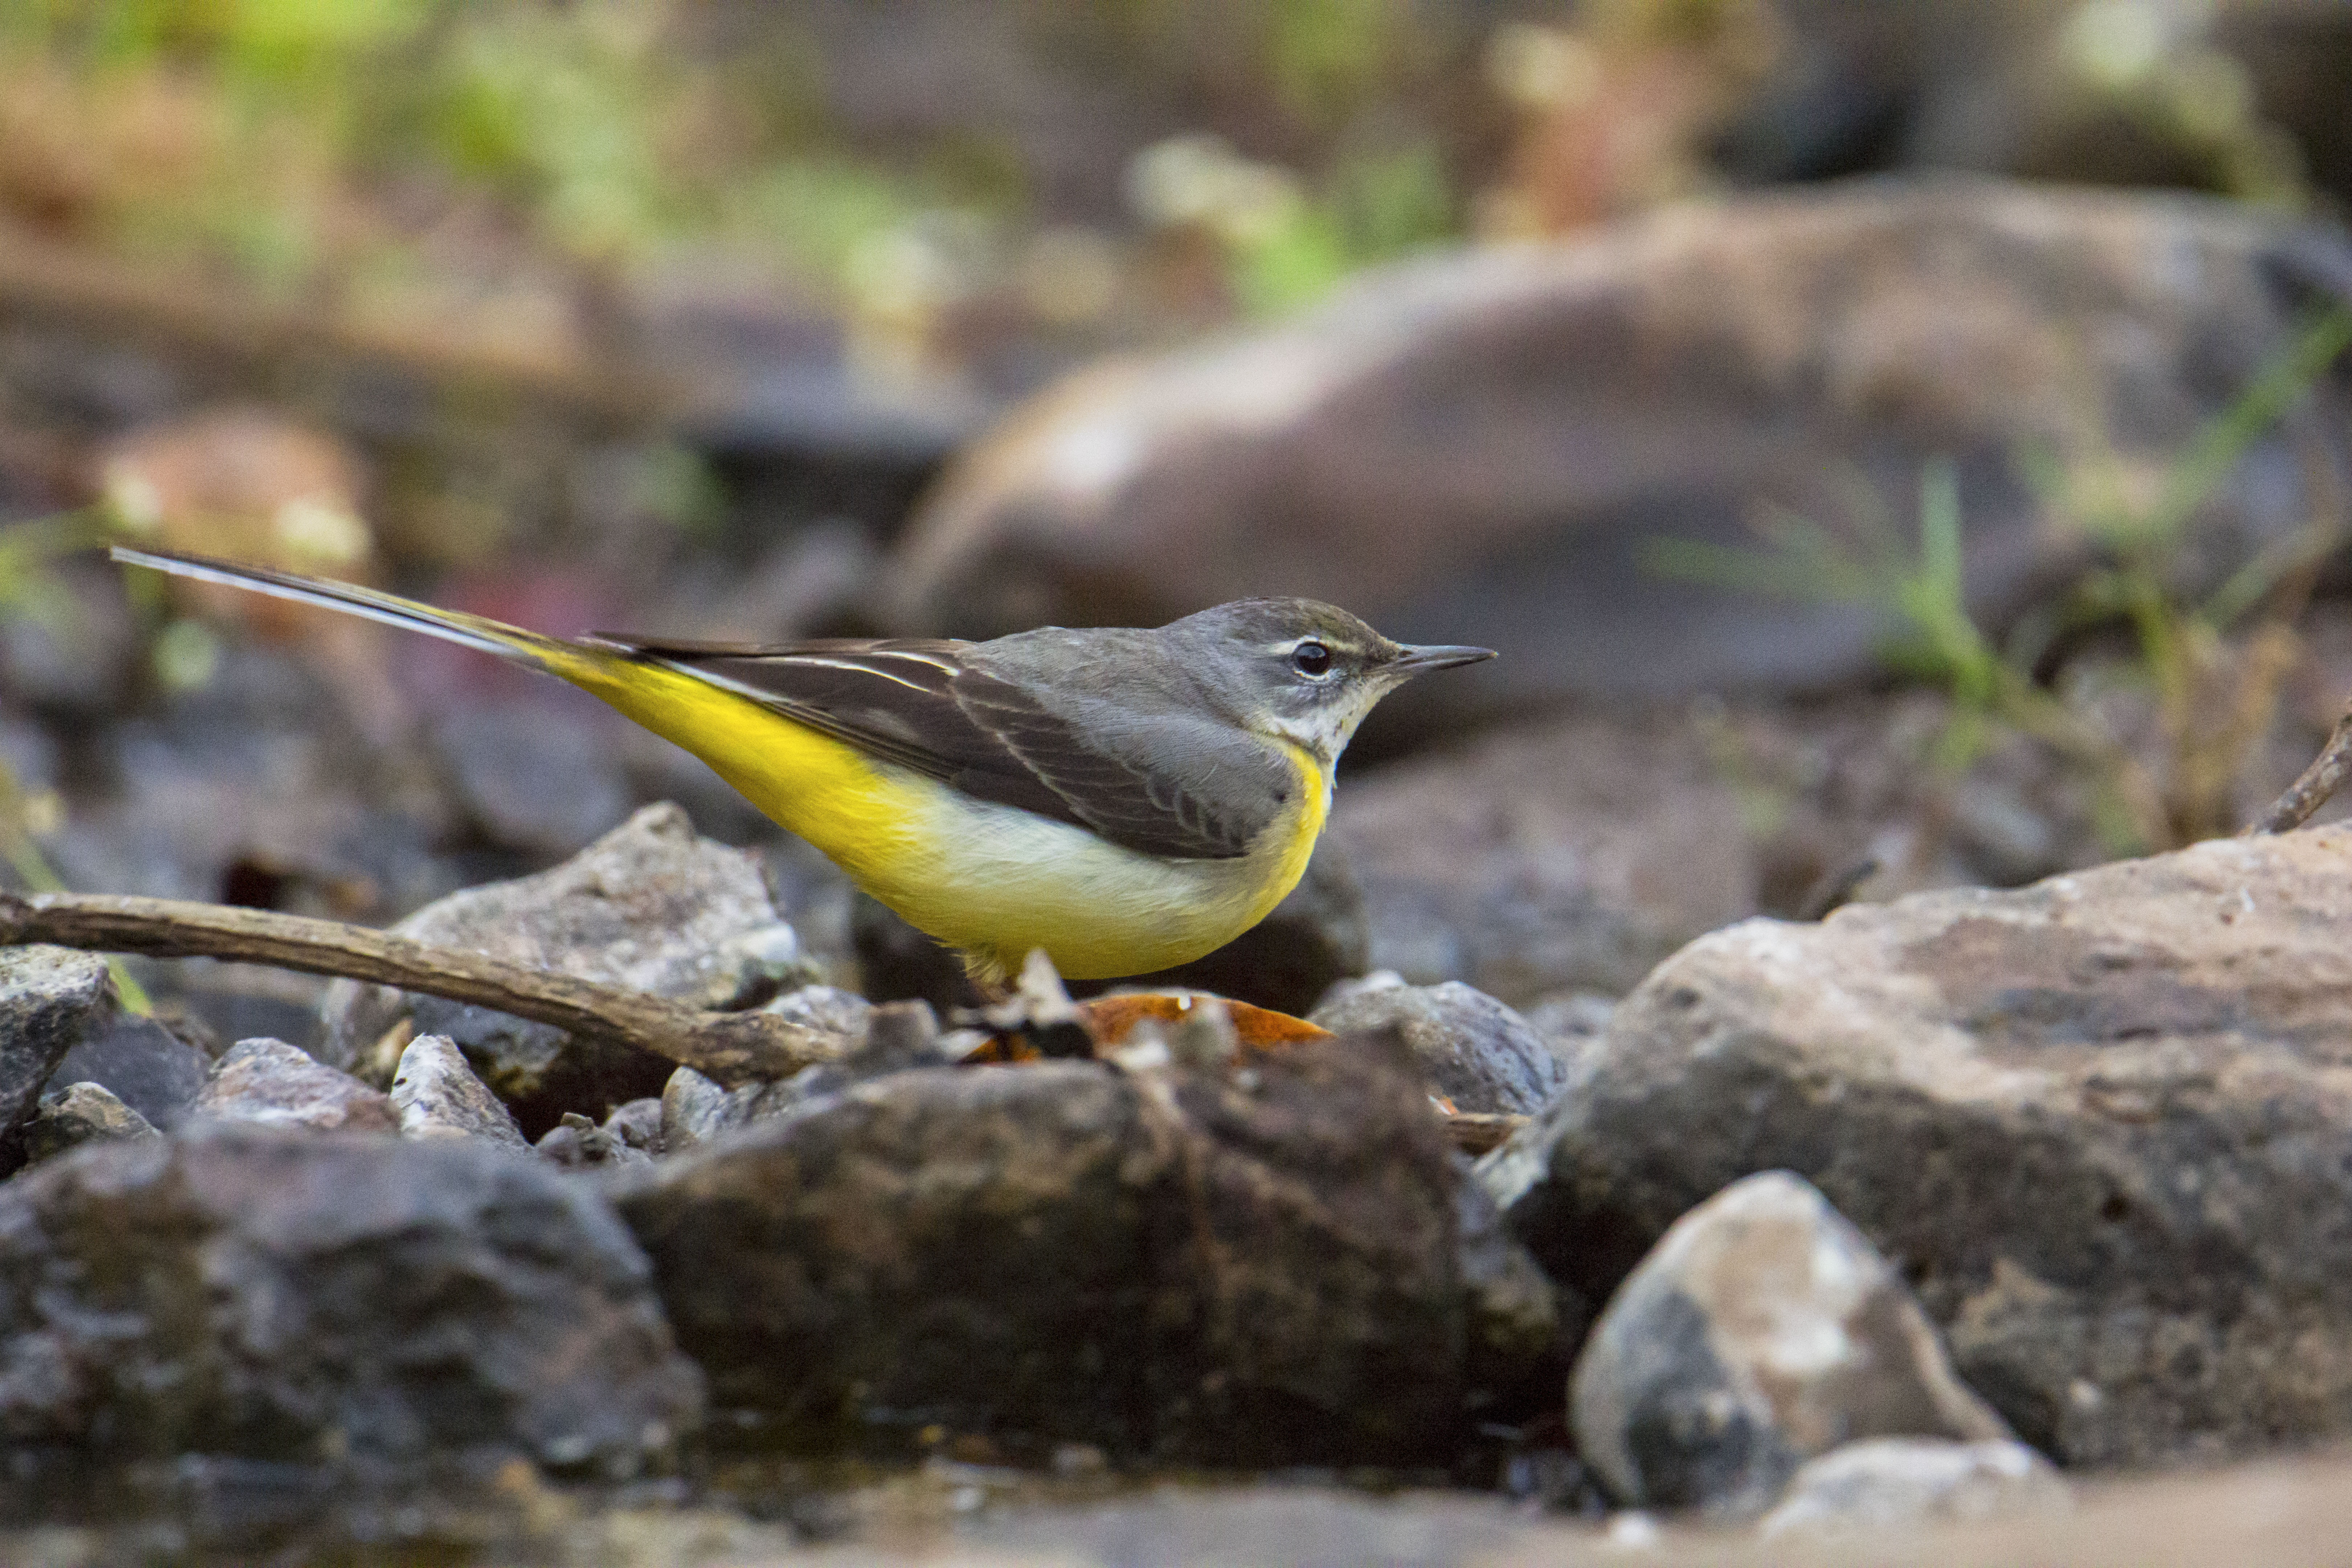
(919, 705)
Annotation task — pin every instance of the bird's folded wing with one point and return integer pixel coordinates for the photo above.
(919, 705)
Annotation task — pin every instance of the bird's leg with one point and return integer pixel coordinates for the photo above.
(1034, 1016)
(989, 978)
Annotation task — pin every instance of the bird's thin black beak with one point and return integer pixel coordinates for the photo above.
(1419, 660)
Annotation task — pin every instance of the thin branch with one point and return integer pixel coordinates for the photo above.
(2310, 792)
(731, 1047)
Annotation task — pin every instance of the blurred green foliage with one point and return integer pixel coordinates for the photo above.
(282, 114)
(2213, 661)
(1373, 208)
(371, 146)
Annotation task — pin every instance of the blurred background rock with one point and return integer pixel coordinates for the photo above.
(1652, 341)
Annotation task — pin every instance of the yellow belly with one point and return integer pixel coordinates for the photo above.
(992, 881)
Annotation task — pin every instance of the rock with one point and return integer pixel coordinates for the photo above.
(50, 998)
(2096, 1118)
(881, 1252)
(80, 1113)
(577, 1141)
(1570, 1019)
(1483, 447)
(1160, 1263)
(1574, 854)
(1889, 1482)
(649, 906)
(1315, 938)
(270, 1082)
(1326, 1253)
(257, 787)
(827, 1007)
(532, 772)
(1521, 1326)
(243, 483)
(144, 1064)
(1761, 1331)
(637, 1124)
(436, 1095)
(376, 1306)
(1472, 1049)
(694, 1109)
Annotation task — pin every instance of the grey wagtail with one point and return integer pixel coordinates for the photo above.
(1128, 800)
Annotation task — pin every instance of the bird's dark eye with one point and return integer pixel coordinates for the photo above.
(1311, 658)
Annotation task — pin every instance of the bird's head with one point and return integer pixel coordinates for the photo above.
(1299, 671)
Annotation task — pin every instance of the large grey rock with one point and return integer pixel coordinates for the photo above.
(377, 1305)
(144, 1064)
(1482, 447)
(50, 998)
(272, 1083)
(1761, 1331)
(2098, 1119)
(1152, 1262)
(1472, 1049)
(649, 906)
(436, 1095)
(80, 1113)
(1889, 1482)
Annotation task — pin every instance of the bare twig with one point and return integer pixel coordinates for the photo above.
(731, 1047)
(2310, 791)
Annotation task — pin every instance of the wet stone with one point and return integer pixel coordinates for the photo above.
(80, 1113)
(436, 1095)
(1762, 1331)
(272, 1083)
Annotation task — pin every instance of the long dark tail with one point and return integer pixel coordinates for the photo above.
(552, 655)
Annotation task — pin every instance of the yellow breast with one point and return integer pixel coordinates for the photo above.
(992, 881)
